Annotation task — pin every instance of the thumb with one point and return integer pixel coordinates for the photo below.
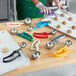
(61, 6)
(58, 3)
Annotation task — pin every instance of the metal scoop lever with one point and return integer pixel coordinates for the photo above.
(55, 40)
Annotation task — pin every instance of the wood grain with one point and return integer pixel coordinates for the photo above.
(46, 60)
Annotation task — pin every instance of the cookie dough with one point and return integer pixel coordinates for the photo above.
(62, 15)
(5, 50)
(69, 31)
(56, 19)
(74, 27)
(70, 18)
(58, 26)
(64, 22)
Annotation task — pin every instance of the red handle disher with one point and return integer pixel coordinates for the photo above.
(41, 35)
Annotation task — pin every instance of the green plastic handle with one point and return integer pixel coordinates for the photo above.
(25, 36)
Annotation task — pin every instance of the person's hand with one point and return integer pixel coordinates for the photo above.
(43, 8)
(60, 6)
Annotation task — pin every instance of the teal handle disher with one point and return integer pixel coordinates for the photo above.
(25, 36)
(41, 24)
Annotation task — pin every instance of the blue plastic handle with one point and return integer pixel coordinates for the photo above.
(39, 26)
(41, 22)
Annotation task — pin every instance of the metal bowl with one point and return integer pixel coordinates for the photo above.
(49, 45)
(53, 32)
(29, 28)
(13, 31)
(68, 42)
(23, 45)
(36, 55)
(27, 21)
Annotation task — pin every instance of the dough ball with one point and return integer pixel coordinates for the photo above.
(69, 31)
(5, 50)
(56, 19)
(70, 18)
(74, 27)
(62, 15)
(58, 26)
(64, 22)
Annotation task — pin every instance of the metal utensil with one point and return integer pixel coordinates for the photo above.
(15, 54)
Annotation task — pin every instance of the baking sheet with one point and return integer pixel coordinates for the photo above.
(63, 28)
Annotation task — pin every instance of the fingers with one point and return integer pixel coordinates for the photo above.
(62, 7)
(58, 3)
(49, 10)
(46, 10)
(42, 9)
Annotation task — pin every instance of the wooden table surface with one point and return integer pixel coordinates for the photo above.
(46, 60)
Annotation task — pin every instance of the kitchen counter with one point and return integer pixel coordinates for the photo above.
(46, 60)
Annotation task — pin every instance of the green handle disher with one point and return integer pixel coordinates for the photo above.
(25, 36)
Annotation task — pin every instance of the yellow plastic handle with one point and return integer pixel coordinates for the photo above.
(61, 52)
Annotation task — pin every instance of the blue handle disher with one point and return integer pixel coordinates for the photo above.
(41, 24)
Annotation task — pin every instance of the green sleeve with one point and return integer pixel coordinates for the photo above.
(26, 8)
